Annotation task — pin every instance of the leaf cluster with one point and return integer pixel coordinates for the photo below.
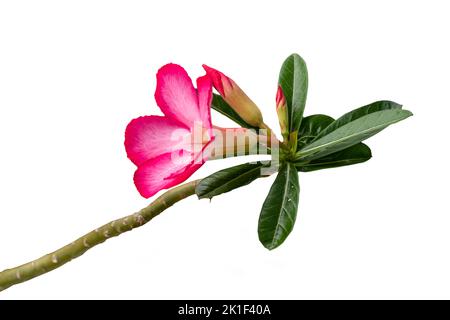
(321, 143)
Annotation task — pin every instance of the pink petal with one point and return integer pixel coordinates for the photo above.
(150, 136)
(204, 90)
(175, 94)
(159, 173)
(196, 161)
(221, 82)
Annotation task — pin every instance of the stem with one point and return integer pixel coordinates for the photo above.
(56, 259)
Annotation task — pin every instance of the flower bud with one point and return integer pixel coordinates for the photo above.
(235, 97)
(282, 113)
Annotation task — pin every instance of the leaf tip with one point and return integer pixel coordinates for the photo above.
(201, 196)
(270, 248)
(271, 245)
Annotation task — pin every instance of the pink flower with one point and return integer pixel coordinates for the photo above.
(169, 149)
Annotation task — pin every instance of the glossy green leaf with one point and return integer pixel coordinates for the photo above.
(310, 127)
(279, 210)
(358, 113)
(293, 80)
(351, 133)
(352, 155)
(230, 179)
(224, 108)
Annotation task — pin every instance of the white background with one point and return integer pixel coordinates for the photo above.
(74, 73)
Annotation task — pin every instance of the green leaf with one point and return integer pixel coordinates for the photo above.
(229, 179)
(293, 80)
(310, 127)
(358, 113)
(352, 155)
(224, 108)
(279, 210)
(351, 133)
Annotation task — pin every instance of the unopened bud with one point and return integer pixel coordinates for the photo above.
(282, 113)
(235, 97)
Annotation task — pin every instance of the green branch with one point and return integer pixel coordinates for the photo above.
(56, 259)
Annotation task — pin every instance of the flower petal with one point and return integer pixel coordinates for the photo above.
(204, 90)
(221, 82)
(150, 136)
(163, 172)
(196, 161)
(175, 94)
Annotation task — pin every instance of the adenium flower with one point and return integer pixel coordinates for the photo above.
(169, 149)
(164, 148)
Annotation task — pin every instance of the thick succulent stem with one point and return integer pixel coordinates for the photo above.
(56, 259)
